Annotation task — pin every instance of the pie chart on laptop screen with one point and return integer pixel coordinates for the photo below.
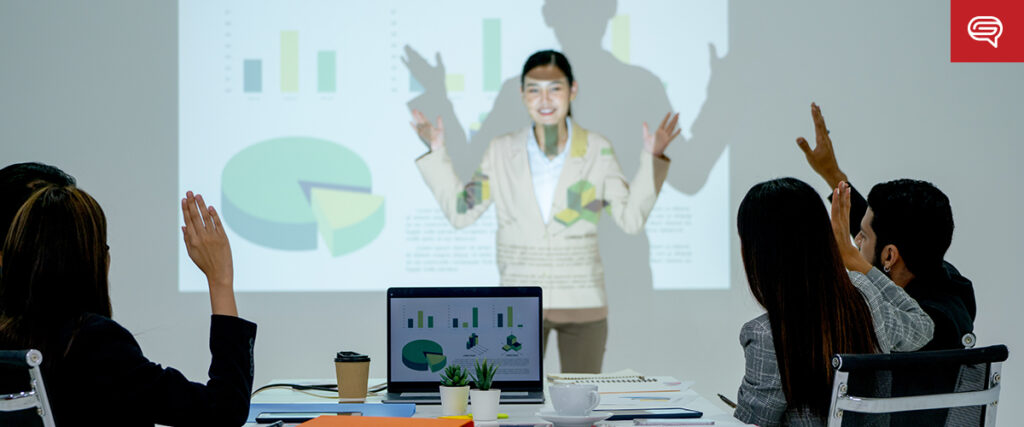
(282, 193)
(423, 355)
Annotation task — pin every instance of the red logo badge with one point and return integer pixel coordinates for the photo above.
(986, 31)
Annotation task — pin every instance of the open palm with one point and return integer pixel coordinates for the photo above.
(657, 142)
(431, 135)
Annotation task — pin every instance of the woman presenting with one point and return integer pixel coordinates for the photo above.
(550, 182)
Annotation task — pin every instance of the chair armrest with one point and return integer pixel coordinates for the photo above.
(21, 358)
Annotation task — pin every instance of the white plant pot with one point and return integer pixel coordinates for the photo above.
(485, 404)
(454, 400)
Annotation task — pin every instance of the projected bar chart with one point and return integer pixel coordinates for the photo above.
(455, 82)
(620, 37)
(253, 75)
(492, 54)
(326, 61)
(491, 64)
(289, 61)
(290, 57)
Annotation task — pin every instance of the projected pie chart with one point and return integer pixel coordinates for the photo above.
(422, 355)
(282, 192)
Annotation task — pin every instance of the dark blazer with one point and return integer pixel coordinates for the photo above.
(104, 379)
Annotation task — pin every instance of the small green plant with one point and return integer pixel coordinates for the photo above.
(454, 376)
(484, 376)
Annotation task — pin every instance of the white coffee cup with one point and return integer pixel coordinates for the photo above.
(574, 399)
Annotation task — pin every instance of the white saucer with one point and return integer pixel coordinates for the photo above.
(573, 420)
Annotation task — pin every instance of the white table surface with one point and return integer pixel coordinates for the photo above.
(518, 413)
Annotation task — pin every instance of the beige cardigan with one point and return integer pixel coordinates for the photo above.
(562, 255)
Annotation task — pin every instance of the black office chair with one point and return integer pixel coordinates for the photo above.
(16, 408)
(927, 388)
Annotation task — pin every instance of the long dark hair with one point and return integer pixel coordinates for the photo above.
(18, 182)
(54, 268)
(795, 272)
(547, 57)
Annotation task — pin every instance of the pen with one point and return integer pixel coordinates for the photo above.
(671, 422)
(727, 401)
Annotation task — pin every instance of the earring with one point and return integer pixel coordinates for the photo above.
(887, 269)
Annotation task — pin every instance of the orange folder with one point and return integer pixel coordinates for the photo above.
(357, 421)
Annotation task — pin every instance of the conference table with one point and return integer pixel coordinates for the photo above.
(518, 414)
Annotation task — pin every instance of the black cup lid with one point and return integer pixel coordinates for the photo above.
(351, 356)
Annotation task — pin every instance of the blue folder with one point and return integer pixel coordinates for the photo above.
(366, 409)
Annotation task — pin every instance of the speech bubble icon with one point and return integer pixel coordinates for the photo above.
(985, 29)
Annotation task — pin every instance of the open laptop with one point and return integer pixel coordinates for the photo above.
(430, 328)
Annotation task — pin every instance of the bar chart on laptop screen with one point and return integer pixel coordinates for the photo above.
(433, 333)
(293, 120)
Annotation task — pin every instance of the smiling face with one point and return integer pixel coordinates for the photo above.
(547, 94)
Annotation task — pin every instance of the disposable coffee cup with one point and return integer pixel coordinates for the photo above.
(353, 373)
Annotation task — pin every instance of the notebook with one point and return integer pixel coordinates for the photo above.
(630, 390)
(430, 328)
(625, 381)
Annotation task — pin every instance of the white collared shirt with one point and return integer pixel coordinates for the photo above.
(546, 171)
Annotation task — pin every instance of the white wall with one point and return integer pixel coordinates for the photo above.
(92, 87)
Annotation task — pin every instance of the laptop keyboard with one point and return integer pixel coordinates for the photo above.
(414, 395)
(421, 394)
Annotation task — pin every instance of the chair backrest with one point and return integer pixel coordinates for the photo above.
(944, 387)
(13, 406)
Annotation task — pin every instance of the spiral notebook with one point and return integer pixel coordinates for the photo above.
(630, 389)
(625, 381)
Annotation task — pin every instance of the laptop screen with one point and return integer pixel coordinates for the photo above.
(430, 328)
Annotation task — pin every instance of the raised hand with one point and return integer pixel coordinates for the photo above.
(841, 229)
(822, 157)
(431, 77)
(207, 245)
(432, 136)
(657, 142)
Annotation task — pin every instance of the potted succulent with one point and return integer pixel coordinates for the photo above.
(484, 398)
(454, 390)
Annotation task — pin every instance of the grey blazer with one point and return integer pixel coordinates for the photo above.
(900, 325)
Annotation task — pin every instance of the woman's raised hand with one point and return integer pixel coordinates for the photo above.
(841, 229)
(208, 246)
(657, 142)
(432, 136)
